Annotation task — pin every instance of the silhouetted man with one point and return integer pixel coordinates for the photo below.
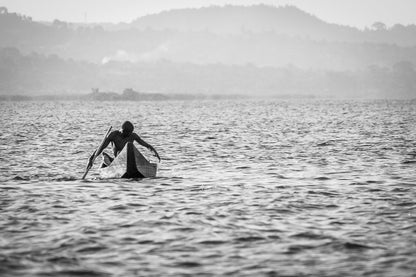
(118, 140)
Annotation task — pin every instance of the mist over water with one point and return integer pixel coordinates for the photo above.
(246, 50)
(247, 188)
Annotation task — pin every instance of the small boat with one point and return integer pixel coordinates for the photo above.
(129, 163)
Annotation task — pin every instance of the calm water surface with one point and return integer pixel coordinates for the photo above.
(245, 188)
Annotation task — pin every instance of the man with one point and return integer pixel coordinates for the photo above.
(118, 140)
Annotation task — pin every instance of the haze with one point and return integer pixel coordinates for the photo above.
(356, 13)
(270, 50)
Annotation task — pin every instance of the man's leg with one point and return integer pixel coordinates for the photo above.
(106, 160)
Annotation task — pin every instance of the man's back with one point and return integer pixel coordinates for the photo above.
(118, 140)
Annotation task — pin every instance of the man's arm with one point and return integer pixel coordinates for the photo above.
(145, 144)
(105, 144)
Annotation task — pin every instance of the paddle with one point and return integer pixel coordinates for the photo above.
(95, 154)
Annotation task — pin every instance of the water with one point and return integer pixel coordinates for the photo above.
(245, 188)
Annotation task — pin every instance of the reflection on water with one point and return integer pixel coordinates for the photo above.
(284, 188)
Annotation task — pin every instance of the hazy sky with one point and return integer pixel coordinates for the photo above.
(359, 13)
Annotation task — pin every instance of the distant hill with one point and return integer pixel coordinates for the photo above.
(287, 20)
(267, 48)
(215, 50)
(235, 20)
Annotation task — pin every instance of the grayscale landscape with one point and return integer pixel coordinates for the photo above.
(255, 50)
(207, 138)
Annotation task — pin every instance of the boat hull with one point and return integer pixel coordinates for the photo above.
(129, 163)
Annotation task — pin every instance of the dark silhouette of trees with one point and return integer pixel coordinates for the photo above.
(379, 26)
(282, 36)
(60, 24)
(286, 52)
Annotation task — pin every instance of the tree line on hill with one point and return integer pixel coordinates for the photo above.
(278, 37)
(264, 50)
(37, 74)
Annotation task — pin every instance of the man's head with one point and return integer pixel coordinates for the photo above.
(127, 128)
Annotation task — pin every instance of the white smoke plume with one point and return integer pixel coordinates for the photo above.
(153, 55)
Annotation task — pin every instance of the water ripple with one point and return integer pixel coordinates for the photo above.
(246, 188)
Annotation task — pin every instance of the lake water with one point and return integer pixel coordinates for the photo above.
(245, 188)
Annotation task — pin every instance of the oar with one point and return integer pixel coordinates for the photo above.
(95, 154)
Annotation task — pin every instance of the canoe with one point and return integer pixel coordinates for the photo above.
(129, 163)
